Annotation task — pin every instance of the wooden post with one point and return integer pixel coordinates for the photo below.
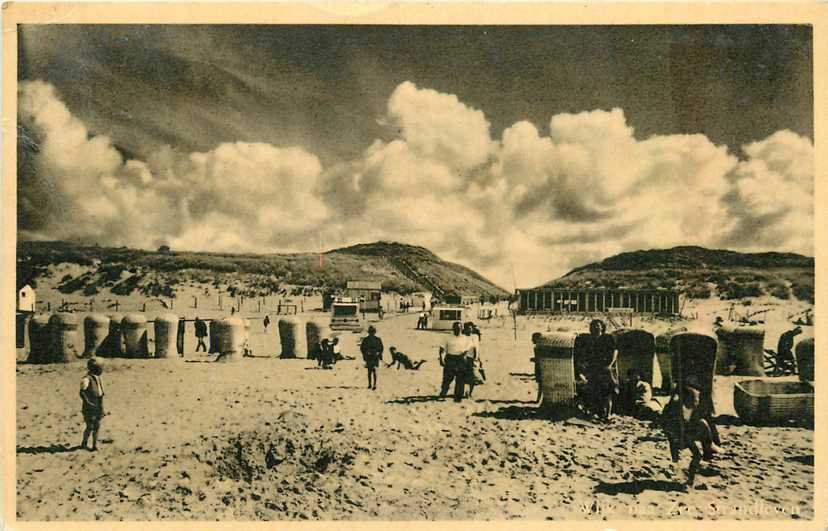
(219, 301)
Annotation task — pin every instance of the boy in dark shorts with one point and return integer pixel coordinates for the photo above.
(371, 348)
(92, 393)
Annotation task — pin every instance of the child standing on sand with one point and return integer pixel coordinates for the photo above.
(371, 348)
(92, 393)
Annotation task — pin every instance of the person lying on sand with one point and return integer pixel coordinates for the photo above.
(687, 427)
(401, 359)
(92, 393)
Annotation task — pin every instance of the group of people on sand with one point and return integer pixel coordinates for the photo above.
(372, 350)
(687, 419)
(460, 358)
(329, 353)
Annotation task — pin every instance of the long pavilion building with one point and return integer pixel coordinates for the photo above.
(551, 299)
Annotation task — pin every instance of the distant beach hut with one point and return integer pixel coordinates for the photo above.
(443, 317)
(741, 350)
(95, 332)
(26, 299)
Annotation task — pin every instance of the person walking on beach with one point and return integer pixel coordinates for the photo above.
(200, 333)
(452, 356)
(470, 359)
(536, 360)
(401, 359)
(371, 348)
(91, 394)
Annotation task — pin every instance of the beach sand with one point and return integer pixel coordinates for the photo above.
(266, 438)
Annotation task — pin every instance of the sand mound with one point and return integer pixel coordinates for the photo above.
(289, 446)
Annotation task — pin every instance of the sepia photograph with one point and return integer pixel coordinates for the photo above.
(581, 257)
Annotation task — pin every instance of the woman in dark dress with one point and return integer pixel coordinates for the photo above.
(602, 374)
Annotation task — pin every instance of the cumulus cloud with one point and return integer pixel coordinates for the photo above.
(523, 208)
(239, 196)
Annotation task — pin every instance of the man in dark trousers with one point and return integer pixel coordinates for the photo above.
(371, 348)
(200, 333)
(452, 356)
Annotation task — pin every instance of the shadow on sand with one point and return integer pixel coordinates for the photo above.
(639, 486)
(728, 420)
(532, 413)
(51, 449)
(802, 459)
(417, 399)
(522, 375)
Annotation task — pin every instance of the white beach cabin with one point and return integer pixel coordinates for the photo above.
(443, 316)
(26, 299)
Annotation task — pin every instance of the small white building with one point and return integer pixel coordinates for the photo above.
(443, 317)
(421, 299)
(26, 299)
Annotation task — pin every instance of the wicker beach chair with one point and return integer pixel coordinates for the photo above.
(693, 355)
(636, 351)
(741, 350)
(555, 354)
(805, 359)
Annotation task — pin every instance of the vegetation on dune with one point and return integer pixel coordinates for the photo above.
(157, 273)
(700, 273)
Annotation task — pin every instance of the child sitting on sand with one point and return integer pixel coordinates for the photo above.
(687, 426)
(645, 407)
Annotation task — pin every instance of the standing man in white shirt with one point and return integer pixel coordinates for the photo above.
(452, 356)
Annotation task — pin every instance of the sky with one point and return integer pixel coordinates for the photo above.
(521, 152)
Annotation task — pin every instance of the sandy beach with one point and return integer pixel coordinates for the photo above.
(279, 439)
